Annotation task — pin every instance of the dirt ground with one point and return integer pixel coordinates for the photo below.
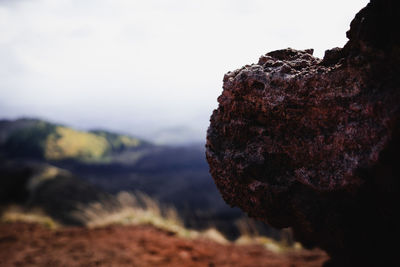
(33, 245)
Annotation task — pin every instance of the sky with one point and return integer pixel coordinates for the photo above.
(151, 68)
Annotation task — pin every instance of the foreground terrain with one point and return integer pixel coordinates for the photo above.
(24, 244)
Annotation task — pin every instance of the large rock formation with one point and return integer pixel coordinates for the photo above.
(312, 144)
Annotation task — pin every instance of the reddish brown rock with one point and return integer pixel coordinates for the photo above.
(312, 144)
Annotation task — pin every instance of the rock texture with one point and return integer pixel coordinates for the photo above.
(312, 144)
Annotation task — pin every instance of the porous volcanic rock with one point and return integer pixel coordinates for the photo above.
(313, 144)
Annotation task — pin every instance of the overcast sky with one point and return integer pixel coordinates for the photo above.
(143, 66)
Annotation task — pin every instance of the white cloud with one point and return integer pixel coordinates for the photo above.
(122, 63)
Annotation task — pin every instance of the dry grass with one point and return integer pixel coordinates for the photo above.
(129, 209)
(250, 235)
(139, 209)
(16, 213)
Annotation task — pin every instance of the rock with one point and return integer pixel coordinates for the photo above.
(312, 144)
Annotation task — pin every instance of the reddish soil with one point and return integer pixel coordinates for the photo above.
(33, 245)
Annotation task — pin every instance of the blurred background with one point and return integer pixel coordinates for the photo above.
(104, 105)
(151, 68)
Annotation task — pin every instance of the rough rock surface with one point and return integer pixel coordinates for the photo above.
(313, 144)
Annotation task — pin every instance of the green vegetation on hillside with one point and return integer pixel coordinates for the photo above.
(48, 141)
(116, 141)
(64, 143)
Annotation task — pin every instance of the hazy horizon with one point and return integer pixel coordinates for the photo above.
(149, 68)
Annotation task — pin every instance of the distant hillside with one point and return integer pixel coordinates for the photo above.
(101, 162)
(44, 140)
